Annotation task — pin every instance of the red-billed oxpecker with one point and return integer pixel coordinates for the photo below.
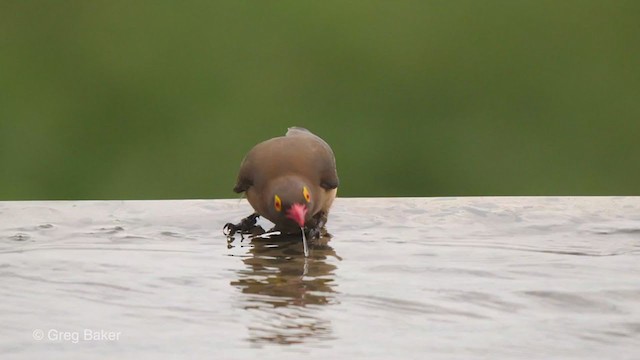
(290, 180)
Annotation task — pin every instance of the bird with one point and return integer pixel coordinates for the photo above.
(290, 180)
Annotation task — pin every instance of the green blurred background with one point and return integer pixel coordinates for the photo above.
(162, 99)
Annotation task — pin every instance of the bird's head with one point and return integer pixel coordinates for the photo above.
(290, 202)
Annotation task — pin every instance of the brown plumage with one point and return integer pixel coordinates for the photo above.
(290, 180)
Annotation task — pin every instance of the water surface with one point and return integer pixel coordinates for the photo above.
(406, 278)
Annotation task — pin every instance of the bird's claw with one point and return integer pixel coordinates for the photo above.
(316, 228)
(314, 233)
(245, 226)
(229, 229)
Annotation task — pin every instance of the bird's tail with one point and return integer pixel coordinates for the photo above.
(296, 130)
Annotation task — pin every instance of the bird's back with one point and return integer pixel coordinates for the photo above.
(294, 154)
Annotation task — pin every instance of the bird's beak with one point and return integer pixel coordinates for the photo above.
(297, 213)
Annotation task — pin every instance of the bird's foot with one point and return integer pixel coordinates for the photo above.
(245, 226)
(316, 226)
(316, 232)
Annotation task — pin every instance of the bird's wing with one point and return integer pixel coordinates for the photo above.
(329, 176)
(245, 179)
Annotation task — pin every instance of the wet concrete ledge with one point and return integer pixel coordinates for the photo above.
(448, 277)
(569, 218)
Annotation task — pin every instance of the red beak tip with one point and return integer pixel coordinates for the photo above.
(297, 213)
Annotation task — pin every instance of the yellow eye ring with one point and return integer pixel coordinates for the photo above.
(277, 203)
(307, 195)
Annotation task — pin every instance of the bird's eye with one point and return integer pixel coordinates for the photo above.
(307, 195)
(277, 203)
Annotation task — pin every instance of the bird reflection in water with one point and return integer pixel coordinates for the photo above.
(286, 291)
